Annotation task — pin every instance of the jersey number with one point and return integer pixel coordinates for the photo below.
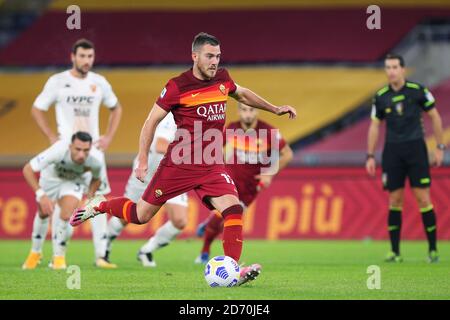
(227, 178)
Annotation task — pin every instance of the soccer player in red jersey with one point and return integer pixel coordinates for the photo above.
(247, 152)
(194, 161)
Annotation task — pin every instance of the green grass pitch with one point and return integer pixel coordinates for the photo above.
(291, 270)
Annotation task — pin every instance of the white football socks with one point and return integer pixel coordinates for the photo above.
(163, 236)
(115, 228)
(61, 238)
(40, 227)
(99, 225)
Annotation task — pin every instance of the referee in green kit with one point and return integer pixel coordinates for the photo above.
(405, 154)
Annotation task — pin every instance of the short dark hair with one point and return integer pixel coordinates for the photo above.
(393, 56)
(83, 136)
(82, 43)
(204, 38)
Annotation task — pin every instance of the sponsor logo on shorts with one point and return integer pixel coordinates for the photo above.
(158, 193)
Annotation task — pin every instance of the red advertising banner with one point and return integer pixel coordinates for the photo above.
(301, 203)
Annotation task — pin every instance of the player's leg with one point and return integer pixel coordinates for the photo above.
(40, 225)
(200, 232)
(99, 236)
(133, 191)
(55, 220)
(67, 203)
(121, 207)
(213, 228)
(99, 223)
(394, 176)
(395, 224)
(152, 199)
(232, 211)
(176, 209)
(114, 229)
(218, 191)
(420, 180)
(422, 196)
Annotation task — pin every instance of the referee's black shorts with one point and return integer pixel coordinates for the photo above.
(406, 159)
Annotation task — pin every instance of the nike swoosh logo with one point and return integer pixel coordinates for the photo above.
(195, 94)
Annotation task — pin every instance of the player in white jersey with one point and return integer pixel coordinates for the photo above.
(77, 94)
(176, 207)
(62, 168)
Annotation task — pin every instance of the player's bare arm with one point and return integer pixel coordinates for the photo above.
(248, 97)
(41, 119)
(145, 140)
(93, 187)
(436, 122)
(162, 145)
(286, 156)
(113, 123)
(372, 139)
(45, 204)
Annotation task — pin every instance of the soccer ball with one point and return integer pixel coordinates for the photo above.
(222, 271)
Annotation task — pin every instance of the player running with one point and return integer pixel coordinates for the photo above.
(176, 207)
(405, 153)
(61, 181)
(77, 94)
(194, 160)
(247, 150)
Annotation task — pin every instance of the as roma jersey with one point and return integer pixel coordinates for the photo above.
(198, 107)
(248, 153)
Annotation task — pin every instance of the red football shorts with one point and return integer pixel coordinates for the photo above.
(169, 182)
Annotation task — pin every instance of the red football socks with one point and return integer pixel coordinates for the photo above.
(212, 230)
(122, 208)
(232, 232)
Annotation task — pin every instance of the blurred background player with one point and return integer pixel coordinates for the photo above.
(405, 153)
(61, 181)
(244, 148)
(77, 94)
(176, 207)
(197, 98)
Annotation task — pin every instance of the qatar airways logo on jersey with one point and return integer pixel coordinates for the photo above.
(207, 147)
(80, 100)
(213, 112)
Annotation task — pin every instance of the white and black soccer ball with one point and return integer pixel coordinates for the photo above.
(222, 271)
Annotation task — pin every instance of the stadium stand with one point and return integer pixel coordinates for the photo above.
(16, 16)
(149, 37)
